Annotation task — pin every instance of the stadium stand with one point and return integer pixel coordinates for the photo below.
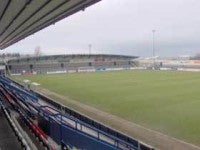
(67, 63)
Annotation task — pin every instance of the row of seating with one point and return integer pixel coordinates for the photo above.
(50, 67)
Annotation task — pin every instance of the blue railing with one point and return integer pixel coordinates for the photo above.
(89, 130)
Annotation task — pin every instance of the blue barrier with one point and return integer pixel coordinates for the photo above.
(61, 132)
(55, 130)
(60, 123)
(83, 141)
(14, 87)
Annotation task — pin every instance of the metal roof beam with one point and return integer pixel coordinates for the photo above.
(4, 10)
(27, 2)
(26, 19)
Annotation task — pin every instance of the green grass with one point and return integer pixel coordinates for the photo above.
(161, 100)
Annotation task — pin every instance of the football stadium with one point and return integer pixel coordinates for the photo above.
(91, 101)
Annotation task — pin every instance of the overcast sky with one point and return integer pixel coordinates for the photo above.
(123, 27)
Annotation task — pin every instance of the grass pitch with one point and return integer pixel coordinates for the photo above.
(165, 101)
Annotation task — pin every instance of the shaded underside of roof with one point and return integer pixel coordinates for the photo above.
(21, 18)
(77, 56)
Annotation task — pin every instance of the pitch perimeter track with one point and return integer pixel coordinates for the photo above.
(151, 137)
